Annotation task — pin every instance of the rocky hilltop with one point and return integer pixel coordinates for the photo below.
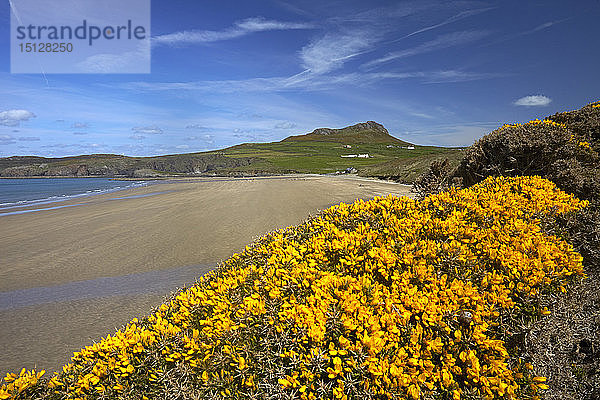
(364, 132)
(243, 159)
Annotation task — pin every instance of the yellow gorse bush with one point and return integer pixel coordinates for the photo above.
(389, 298)
(536, 121)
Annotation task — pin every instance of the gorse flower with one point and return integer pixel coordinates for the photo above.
(389, 298)
(536, 121)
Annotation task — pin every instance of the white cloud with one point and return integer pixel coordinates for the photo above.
(261, 24)
(79, 125)
(453, 75)
(422, 115)
(441, 42)
(239, 29)
(80, 133)
(135, 61)
(182, 147)
(15, 117)
(7, 139)
(454, 18)
(533, 101)
(310, 83)
(333, 50)
(150, 130)
(137, 137)
(198, 127)
(285, 125)
(28, 139)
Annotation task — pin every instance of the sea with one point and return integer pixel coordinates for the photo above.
(35, 191)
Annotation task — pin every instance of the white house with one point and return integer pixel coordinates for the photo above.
(355, 155)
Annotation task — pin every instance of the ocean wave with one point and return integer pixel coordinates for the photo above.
(65, 197)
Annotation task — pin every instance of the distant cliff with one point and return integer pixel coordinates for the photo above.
(115, 165)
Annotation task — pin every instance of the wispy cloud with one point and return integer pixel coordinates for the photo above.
(15, 117)
(239, 29)
(453, 76)
(136, 61)
(452, 19)
(538, 28)
(6, 140)
(28, 139)
(198, 127)
(441, 42)
(284, 125)
(332, 50)
(79, 125)
(541, 27)
(533, 101)
(150, 130)
(309, 82)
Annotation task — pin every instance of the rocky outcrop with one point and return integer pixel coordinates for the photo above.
(190, 164)
(365, 132)
(360, 127)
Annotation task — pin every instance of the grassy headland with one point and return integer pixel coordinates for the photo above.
(318, 152)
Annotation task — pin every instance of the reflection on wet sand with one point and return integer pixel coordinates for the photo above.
(43, 326)
(71, 275)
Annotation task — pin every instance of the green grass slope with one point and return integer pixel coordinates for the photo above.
(321, 151)
(313, 156)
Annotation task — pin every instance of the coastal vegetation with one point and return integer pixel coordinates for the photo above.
(563, 148)
(318, 152)
(392, 298)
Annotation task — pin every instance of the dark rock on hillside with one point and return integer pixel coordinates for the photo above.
(360, 127)
(364, 132)
(192, 164)
(25, 170)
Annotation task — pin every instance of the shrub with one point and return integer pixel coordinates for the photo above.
(390, 298)
(549, 149)
(435, 180)
(584, 122)
(543, 148)
(583, 231)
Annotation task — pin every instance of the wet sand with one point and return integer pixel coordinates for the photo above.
(73, 274)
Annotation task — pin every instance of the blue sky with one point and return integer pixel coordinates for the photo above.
(228, 72)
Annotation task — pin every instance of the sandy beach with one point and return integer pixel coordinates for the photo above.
(74, 271)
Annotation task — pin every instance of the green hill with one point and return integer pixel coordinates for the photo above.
(324, 150)
(363, 133)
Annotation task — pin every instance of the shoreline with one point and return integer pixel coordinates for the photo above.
(131, 241)
(22, 208)
(81, 197)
